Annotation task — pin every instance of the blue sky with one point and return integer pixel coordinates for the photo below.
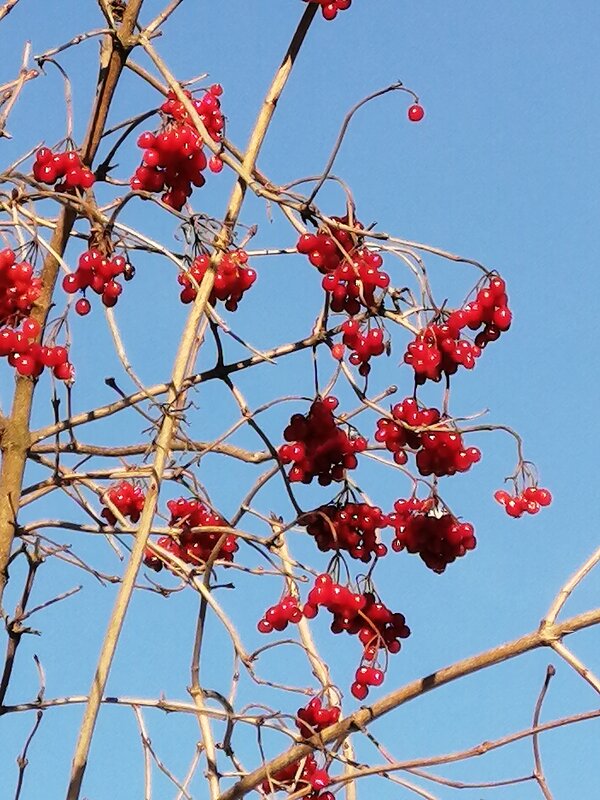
(503, 169)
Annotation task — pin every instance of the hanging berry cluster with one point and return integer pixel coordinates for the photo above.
(278, 617)
(65, 167)
(197, 539)
(439, 349)
(528, 501)
(360, 615)
(19, 290)
(99, 273)
(351, 272)
(127, 498)
(315, 717)
(174, 159)
(364, 343)
(233, 277)
(318, 447)
(438, 538)
(439, 450)
(330, 8)
(351, 527)
(300, 775)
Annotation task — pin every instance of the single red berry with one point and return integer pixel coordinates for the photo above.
(83, 306)
(416, 113)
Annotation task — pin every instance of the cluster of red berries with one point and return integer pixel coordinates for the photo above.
(173, 158)
(439, 451)
(197, 537)
(29, 357)
(360, 615)
(127, 498)
(65, 167)
(326, 250)
(315, 717)
(352, 527)
(19, 289)
(443, 452)
(363, 343)
(300, 775)
(317, 446)
(330, 8)
(529, 501)
(397, 434)
(438, 538)
(351, 272)
(233, 277)
(97, 272)
(278, 617)
(439, 349)
(353, 283)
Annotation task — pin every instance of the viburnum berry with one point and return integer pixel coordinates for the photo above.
(19, 290)
(361, 615)
(67, 167)
(278, 617)
(352, 527)
(174, 159)
(528, 501)
(416, 113)
(330, 8)
(128, 498)
(98, 272)
(364, 343)
(438, 537)
(440, 349)
(439, 450)
(198, 537)
(318, 447)
(300, 775)
(315, 717)
(233, 278)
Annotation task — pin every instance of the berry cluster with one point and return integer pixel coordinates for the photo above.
(315, 717)
(326, 250)
(65, 167)
(529, 501)
(198, 535)
(330, 8)
(127, 498)
(352, 527)
(173, 158)
(443, 452)
(278, 617)
(97, 272)
(360, 615)
(439, 349)
(439, 451)
(438, 538)
(300, 775)
(353, 283)
(19, 289)
(232, 279)
(363, 343)
(317, 446)
(397, 434)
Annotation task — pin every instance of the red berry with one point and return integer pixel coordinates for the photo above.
(416, 113)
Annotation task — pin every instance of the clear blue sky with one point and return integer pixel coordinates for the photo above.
(504, 169)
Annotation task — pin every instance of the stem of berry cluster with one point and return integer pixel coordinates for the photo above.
(182, 367)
